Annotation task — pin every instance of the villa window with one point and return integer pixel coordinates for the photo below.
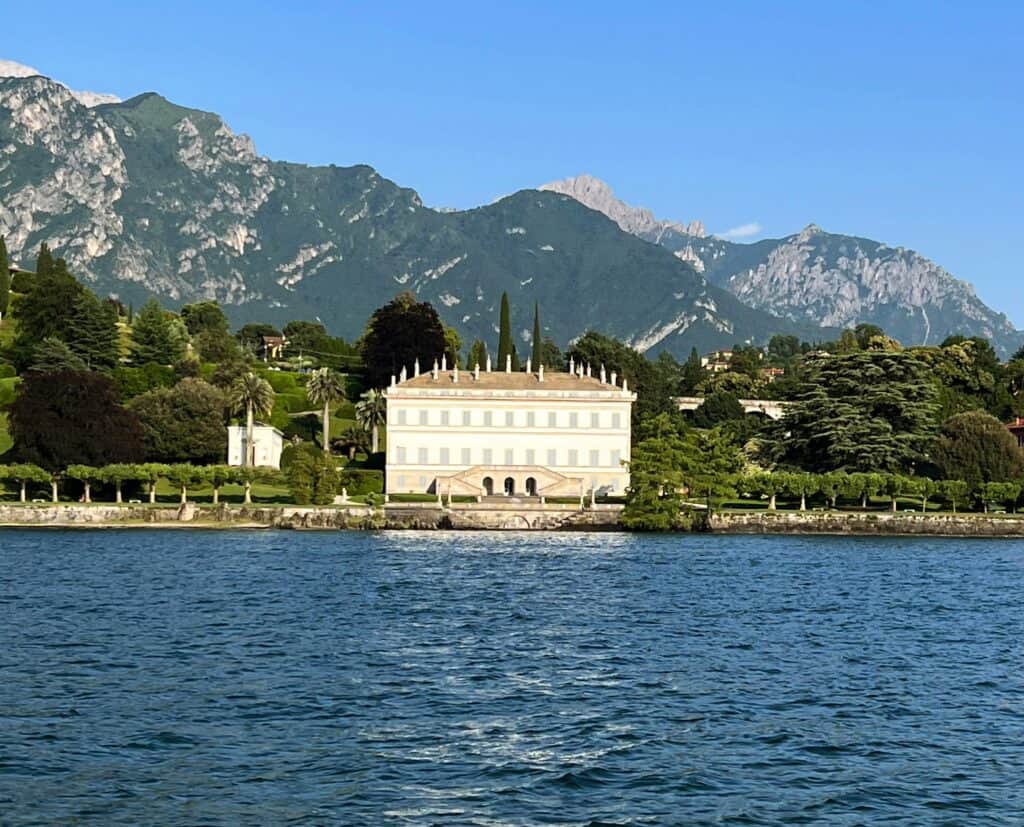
(531, 456)
(616, 420)
(552, 457)
(574, 420)
(445, 455)
(445, 417)
(488, 418)
(552, 419)
(488, 456)
(531, 419)
(595, 420)
(400, 454)
(509, 457)
(616, 459)
(510, 418)
(595, 459)
(423, 417)
(401, 416)
(574, 458)
(466, 456)
(421, 456)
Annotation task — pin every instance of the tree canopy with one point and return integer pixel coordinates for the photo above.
(184, 423)
(977, 448)
(398, 334)
(72, 418)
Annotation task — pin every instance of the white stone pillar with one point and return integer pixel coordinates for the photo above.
(508, 363)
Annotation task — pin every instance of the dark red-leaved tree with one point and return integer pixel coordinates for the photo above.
(71, 418)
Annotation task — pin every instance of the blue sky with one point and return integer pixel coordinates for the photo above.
(899, 121)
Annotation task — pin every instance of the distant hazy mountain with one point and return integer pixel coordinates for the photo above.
(147, 198)
(821, 278)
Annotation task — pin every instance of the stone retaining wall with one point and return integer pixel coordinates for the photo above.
(871, 523)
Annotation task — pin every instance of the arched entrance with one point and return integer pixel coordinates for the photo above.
(488, 486)
(531, 487)
(510, 486)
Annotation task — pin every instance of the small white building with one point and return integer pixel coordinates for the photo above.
(491, 433)
(269, 443)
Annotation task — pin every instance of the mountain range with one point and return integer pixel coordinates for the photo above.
(145, 197)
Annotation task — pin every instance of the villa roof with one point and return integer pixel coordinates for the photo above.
(515, 381)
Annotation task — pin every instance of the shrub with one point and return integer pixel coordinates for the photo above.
(22, 282)
(312, 477)
(7, 371)
(356, 482)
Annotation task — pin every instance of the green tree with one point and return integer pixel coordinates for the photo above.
(654, 500)
(452, 345)
(150, 473)
(923, 487)
(218, 476)
(954, 492)
(87, 475)
(184, 476)
(802, 485)
(52, 355)
(505, 343)
(717, 408)
(91, 331)
(184, 423)
(252, 394)
(977, 448)
(44, 262)
(5, 279)
(45, 310)
(832, 485)
(767, 484)
(550, 355)
(326, 388)
(1000, 493)
(312, 477)
(864, 486)
(205, 316)
(371, 413)
(118, 473)
(23, 474)
(894, 486)
(693, 374)
(477, 356)
(865, 411)
(710, 463)
(537, 354)
(398, 334)
(154, 338)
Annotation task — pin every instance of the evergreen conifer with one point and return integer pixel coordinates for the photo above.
(537, 356)
(5, 279)
(505, 344)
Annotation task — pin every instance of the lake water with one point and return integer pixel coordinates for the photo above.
(431, 678)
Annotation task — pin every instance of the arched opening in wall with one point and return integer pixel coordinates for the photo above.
(488, 486)
(510, 486)
(531, 487)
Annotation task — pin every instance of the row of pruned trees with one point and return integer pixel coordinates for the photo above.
(863, 487)
(182, 475)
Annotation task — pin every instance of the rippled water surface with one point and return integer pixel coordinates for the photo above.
(406, 678)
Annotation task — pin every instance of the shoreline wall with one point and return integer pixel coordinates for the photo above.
(865, 523)
(479, 518)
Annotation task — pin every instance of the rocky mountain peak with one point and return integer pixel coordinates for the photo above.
(11, 69)
(597, 195)
(808, 232)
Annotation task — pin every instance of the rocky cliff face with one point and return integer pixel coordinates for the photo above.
(597, 195)
(821, 278)
(148, 198)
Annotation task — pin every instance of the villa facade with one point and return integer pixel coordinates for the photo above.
(267, 440)
(490, 433)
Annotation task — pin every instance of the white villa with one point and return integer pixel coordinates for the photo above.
(269, 443)
(484, 433)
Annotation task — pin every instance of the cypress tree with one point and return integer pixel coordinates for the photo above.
(44, 262)
(537, 356)
(5, 279)
(477, 356)
(505, 345)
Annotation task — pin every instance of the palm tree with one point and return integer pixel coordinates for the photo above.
(325, 387)
(254, 395)
(354, 439)
(371, 413)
